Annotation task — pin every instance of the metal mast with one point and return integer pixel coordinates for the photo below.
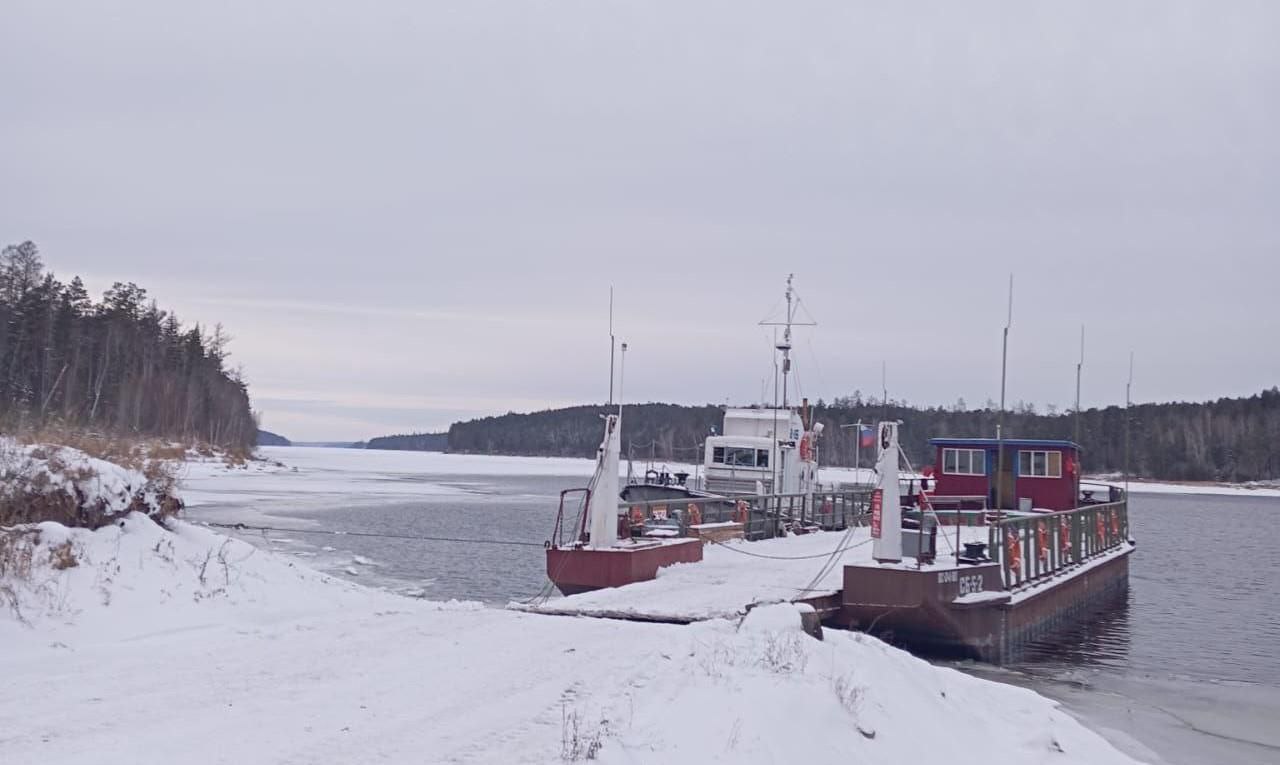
(1004, 368)
(1128, 401)
(793, 301)
(1079, 369)
(884, 391)
(612, 344)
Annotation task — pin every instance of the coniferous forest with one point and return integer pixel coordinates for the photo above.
(120, 365)
(1231, 439)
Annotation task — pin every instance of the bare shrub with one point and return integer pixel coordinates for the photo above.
(784, 652)
(848, 693)
(851, 695)
(17, 553)
(28, 493)
(576, 742)
(63, 556)
(715, 659)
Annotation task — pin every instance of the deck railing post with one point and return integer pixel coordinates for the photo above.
(1028, 562)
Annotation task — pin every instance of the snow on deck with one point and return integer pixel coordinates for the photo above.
(735, 575)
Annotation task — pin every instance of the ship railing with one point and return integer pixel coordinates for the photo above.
(762, 516)
(954, 509)
(1032, 548)
(575, 526)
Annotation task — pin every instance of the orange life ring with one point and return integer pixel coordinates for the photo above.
(1115, 523)
(805, 449)
(1013, 550)
(695, 514)
(1042, 541)
(1101, 527)
(1064, 536)
(827, 507)
(637, 515)
(741, 512)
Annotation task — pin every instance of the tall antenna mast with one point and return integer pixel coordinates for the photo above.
(784, 345)
(612, 345)
(1128, 401)
(789, 321)
(623, 379)
(1079, 370)
(1004, 368)
(884, 390)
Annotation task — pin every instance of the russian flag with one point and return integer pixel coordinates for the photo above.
(866, 437)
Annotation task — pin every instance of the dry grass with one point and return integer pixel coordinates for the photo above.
(26, 497)
(63, 556)
(17, 553)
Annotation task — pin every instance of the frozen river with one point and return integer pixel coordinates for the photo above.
(1188, 671)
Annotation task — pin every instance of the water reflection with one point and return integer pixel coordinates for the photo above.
(1101, 642)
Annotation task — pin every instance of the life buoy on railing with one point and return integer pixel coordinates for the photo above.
(1101, 526)
(1064, 537)
(695, 514)
(1115, 524)
(805, 448)
(827, 507)
(741, 511)
(1042, 541)
(637, 515)
(1013, 552)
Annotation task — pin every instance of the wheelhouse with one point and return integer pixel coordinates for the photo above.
(1034, 474)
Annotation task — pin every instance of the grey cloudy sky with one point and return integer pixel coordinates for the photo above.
(408, 213)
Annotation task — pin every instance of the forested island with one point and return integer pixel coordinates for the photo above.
(267, 438)
(418, 442)
(118, 366)
(1231, 439)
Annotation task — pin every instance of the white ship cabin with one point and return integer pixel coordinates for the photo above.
(755, 446)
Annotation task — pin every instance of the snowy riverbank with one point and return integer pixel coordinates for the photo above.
(185, 645)
(250, 656)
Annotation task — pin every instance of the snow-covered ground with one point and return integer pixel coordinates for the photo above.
(1254, 489)
(187, 646)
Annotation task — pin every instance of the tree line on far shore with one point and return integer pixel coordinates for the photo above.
(120, 365)
(1231, 439)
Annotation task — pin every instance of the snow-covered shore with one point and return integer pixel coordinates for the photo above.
(1254, 489)
(183, 645)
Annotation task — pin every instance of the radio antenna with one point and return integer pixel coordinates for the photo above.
(1079, 370)
(1004, 368)
(612, 345)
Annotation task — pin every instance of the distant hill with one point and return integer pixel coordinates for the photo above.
(267, 438)
(414, 442)
(1231, 439)
(331, 444)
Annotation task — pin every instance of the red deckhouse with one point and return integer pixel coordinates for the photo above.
(1035, 474)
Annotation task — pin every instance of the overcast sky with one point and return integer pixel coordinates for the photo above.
(409, 213)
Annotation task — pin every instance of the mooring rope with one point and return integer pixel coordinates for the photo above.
(328, 532)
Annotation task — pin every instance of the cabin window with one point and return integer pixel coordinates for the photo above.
(735, 456)
(1034, 464)
(964, 461)
(762, 458)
